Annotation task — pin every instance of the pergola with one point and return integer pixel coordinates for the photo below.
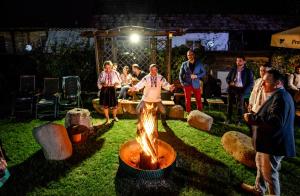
(108, 40)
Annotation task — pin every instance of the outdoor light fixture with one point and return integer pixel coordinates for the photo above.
(28, 47)
(134, 38)
(210, 43)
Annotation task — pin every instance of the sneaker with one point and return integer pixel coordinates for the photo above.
(116, 119)
(251, 189)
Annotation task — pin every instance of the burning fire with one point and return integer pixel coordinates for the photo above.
(147, 135)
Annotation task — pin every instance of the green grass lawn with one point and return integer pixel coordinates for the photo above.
(202, 168)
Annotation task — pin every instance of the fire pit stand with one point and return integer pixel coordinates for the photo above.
(129, 160)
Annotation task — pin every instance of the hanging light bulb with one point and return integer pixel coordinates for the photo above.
(134, 38)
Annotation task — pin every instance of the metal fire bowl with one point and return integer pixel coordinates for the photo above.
(129, 157)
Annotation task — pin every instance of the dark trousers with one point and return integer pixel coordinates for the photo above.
(235, 94)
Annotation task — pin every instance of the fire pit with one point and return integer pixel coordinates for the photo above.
(147, 156)
(130, 160)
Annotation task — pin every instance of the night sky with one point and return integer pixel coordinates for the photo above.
(66, 13)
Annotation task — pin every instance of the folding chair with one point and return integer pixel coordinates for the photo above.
(71, 92)
(23, 99)
(47, 103)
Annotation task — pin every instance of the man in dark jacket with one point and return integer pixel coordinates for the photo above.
(273, 134)
(240, 82)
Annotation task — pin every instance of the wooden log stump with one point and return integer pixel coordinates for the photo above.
(200, 120)
(240, 147)
(176, 112)
(99, 109)
(78, 133)
(54, 141)
(78, 116)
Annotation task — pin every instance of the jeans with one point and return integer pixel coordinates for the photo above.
(267, 177)
(123, 92)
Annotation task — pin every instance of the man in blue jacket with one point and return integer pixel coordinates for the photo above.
(240, 83)
(273, 134)
(191, 72)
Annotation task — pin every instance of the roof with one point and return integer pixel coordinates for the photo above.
(197, 22)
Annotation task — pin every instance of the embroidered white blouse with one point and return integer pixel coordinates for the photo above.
(153, 85)
(109, 79)
(257, 97)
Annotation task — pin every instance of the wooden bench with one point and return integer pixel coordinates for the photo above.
(127, 106)
(213, 101)
(179, 95)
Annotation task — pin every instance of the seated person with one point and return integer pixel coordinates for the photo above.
(138, 74)
(125, 82)
(294, 82)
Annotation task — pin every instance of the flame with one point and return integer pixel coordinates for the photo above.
(146, 132)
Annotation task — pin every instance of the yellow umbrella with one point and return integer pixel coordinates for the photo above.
(287, 39)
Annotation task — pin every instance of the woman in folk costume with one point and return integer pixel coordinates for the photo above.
(108, 81)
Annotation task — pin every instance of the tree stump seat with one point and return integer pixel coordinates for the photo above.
(127, 106)
(176, 112)
(200, 120)
(240, 147)
(54, 140)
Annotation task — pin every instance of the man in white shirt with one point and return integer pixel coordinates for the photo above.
(240, 82)
(152, 84)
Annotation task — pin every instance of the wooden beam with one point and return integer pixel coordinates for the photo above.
(153, 45)
(13, 41)
(124, 32)
(169, 52)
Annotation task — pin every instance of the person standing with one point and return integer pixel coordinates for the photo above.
(191, 72)
(274, 134)
(240, 82)
(107, 82)
(152, 84)
(257, 97)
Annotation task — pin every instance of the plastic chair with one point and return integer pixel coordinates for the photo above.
(23, 99)
(71, 92)
(47, 103)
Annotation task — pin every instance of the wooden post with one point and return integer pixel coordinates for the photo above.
(114, 50)
(97, 53)
(153, 45)
(13, 41)
(28, 40)
(169, 52)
